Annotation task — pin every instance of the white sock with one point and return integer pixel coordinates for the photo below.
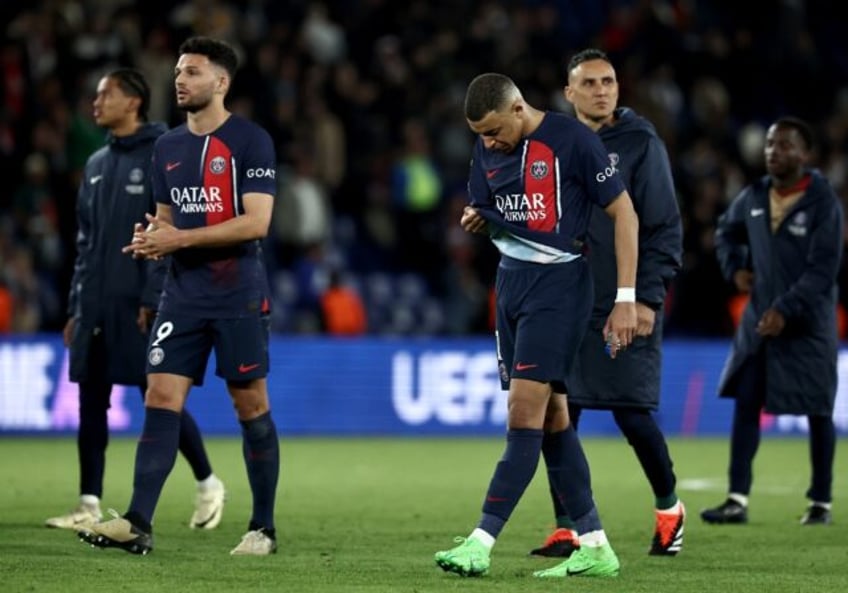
(484, 537)
(824, 505)
(210, 483)
(593, 539)
(740, 498)
(90, 500)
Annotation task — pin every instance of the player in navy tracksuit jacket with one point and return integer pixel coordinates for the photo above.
(781, 241)
(629, 385)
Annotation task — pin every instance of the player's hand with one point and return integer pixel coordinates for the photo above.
(68, 331)
(138, 230)
(771, 323)
(744, 280)
(145, 319)
(154, 242)
(620, 327)
(471, 221)
(645, 319)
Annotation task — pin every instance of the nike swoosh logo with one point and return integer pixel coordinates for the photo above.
(572, 572)
(95, 179)
(172, 166)
(757, 211)
(246, 368)
(496, 499)
(492, 173)
(523, 367)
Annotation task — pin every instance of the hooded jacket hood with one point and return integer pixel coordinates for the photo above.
(626, 122)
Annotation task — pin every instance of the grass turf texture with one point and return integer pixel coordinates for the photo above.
(368, 514)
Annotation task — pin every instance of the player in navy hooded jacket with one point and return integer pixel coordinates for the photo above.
(535, 177)
(113, 297)
(781, 241)
(629, 386)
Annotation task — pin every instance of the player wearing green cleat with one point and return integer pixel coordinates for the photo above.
(469, 559)
(586, 561)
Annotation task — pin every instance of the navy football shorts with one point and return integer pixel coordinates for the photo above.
(542, 311)
(181, 345)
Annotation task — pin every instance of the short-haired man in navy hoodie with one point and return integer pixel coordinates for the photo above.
(629, 385)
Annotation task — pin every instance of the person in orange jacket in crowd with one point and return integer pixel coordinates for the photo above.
(342, 311)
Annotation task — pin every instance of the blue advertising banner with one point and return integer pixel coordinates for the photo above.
(372, 386)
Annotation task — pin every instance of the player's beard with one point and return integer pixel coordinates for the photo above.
(193, 106)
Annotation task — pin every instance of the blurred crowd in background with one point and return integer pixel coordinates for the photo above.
(363, 99)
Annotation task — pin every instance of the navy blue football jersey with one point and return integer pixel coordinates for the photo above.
(203, 179)
(542, 192)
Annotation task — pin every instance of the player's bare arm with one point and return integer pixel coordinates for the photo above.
(622, 321)
(165, 238)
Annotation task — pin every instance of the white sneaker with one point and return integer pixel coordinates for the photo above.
(117, 532)
(255, 543)
(208, 507)
(84, 516)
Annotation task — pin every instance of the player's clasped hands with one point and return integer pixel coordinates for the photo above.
(154, 242)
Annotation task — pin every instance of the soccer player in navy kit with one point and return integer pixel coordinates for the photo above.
(214, 182)
(534, 178)
(113, 299)
(630, 385)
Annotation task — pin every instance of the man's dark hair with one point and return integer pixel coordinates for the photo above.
(218, 52)
(488, 92)
(586, 55)
(799, 126)
(133, 84)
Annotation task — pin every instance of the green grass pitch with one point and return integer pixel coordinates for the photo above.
(366, 515)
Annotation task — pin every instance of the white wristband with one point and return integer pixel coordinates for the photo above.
(625, 295)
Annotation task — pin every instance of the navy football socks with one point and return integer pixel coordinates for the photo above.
(570, 475)
(261, 449)
(512, 475)
(154, 459)
(191, 446)
(552, 451)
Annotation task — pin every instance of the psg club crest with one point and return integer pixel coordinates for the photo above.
(218, 165)
(156, 356)
(798, 225)
(539, 169)
(136, 175)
